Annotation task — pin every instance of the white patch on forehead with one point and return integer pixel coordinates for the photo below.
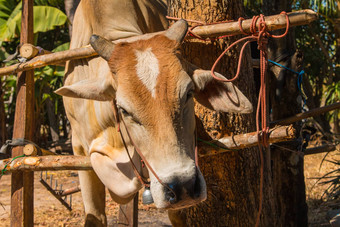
(147, 69)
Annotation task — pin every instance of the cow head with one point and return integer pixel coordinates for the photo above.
(153, 88)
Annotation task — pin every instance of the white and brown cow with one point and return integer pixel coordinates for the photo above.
(153, 89)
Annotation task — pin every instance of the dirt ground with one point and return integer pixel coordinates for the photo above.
(317, 206)
(49, 212)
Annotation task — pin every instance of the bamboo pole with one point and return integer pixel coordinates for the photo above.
(311, 113)
(41, 163)
(273, 23)
(237, 142)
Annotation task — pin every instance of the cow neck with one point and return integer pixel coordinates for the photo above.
(144, 182)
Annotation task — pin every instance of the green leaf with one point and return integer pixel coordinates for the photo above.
(62, 47)
(47, 18)
(46, 96)
(8, 25)
(6, 8)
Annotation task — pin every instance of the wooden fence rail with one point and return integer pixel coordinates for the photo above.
(232, 28)
(41, 163)
(70, 162)
(237, 142)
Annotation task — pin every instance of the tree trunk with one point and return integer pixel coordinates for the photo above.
(52, 118)
(233, 178)
(70, 8)
(337, 59)
(287, 167)
(3, 130)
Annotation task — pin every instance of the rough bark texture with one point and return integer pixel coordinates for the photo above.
(287, 167)
(232, 178)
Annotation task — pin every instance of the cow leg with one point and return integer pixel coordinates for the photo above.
(93, 193)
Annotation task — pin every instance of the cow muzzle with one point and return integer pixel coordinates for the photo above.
(179, 192)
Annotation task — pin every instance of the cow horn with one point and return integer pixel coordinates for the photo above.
(102, 46)
(177, 31)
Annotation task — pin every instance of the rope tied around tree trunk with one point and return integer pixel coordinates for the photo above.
(261, 36)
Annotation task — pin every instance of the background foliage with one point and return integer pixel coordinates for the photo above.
(50, 33)
(319, 43)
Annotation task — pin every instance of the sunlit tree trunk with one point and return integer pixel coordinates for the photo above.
(232, 178)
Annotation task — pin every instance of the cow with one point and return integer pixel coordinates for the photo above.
(134, 105)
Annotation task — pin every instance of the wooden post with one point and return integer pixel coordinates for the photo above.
(22, 182)
(128, 213)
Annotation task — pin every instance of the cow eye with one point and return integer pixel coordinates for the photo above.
(123, 111)
(190, 94)
(127, 114)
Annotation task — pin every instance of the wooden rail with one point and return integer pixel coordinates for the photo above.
(237, 142)
(273, 23)
(70, 162)
(41, 163)
(320, 149)
(311, 113)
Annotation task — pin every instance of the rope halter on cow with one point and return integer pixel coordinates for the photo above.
(119, 119)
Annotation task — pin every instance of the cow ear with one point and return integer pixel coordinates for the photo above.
(219, 96)
(94, 89)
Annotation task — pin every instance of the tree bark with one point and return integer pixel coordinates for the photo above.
(70, 9)
(3, 130)
(232, 178)
(50, 162)
(287, 167)
(52, 118)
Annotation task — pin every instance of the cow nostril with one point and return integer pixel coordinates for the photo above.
(193, 187)
(197, 188)
(172, 193)
(172, 198)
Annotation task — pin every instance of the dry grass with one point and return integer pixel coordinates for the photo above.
(318, 207)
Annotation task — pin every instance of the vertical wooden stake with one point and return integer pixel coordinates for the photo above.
(22, 182)
(128, 213)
